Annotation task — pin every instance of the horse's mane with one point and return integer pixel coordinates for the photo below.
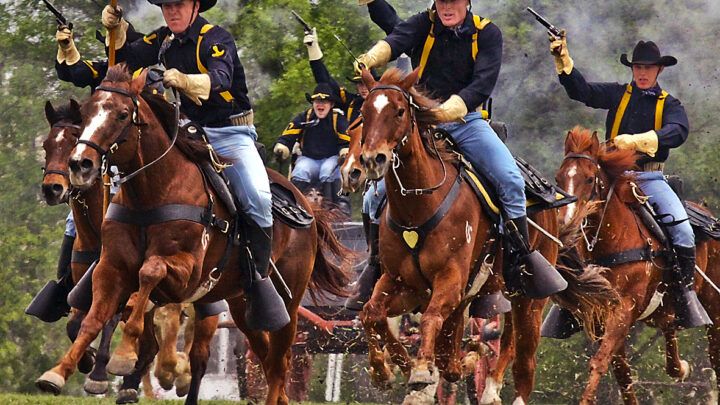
(424, 116)
(613, 161)
(579, 140)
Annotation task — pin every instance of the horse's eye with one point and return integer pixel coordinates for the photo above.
(589, 180)
(400, 112)
(123, 116)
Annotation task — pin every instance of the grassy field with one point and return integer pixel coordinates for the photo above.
(20, 399)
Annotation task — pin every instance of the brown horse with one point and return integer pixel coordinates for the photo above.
(66, 122)
(173, 259)
(433, 280)
(589, 171)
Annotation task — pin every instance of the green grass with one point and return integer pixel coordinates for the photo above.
(21, 399)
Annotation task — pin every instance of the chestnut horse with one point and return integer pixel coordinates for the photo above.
(435, 281)
(588, 171)
(173, 259)
(65, 127)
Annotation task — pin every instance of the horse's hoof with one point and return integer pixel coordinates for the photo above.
(182, 385)
(422, 376)
(383, 380)
(165, 379)
(491, 395)
(685, 370)
(87, 361)
(423, 396)
(50, 382)
(127, 396)
(95, 387)
(121, 366)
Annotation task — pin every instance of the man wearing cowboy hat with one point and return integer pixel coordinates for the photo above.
(645, 118)
(202, 62)
(322, 134)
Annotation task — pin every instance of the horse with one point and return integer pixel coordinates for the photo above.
(590, 171)
(173, 260)
(433, 280)
(65, 127)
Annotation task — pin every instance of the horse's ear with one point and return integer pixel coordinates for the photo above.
(367, 79)
(75, 110)
(595, 143)
(49, 112)
(568, 144)
(410, 80)
(138, 82)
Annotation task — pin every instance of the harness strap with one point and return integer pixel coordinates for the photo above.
(659, 108)
(480, 24)
(166, 213)
(414, 236)
(226, 95)
(642, 254)
(84, 257)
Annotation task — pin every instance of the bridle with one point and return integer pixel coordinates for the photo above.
(396, 162)
(126, 131)
(63, 173)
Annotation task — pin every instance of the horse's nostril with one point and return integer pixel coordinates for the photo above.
(86, 164)
(362, 159)
(57, 188)
(380, 158)
(355, 174)
(74, 165)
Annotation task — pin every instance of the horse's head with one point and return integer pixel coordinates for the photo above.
(109, 117)
(65, 124)
(388, 119)
(351, 171)
(579, 173)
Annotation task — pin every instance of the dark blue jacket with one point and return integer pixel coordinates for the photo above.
(450, 68)
(318, 139)
(83, 73)
(639, 115)
(218, 55)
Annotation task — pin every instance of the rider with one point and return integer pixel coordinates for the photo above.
(645, 118)
(202, 62)
(461, 70)
(322, 134)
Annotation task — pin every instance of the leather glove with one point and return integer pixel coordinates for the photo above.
(559, 50)
(281, 151)
(646, 142)
(377, 56)
(113, 22)
(67, 52)
(453, 109)
(343, 152)
(195, 86)
(313, 47)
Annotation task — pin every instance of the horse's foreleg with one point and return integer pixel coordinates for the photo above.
(623, 376)
(374, 320)
(675, 367)
(129, 389)
(108, 290)
(276, 362)
(527, 318)
(447, 348)
(494, 380)
(97, 381)
(616, 329)
(167, 323)
(153, 270)
(200, 353)
(446, 296)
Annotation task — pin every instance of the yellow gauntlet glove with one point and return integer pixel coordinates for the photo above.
(195, 86)
(454, 109)
(67, 52)
(559, 49)
(646, 142)
(377, 56)
(281, 151)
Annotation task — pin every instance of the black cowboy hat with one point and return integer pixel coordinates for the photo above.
(322, 91)
(647, 53)
(205, 5)
(358, 78)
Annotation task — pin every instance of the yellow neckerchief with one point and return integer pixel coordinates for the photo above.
(659, 107)
(205, 28)
(480, 23)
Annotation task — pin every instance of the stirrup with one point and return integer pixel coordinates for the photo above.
(487, 306)
(265, 309)
(559, 323)
(689, 312)
(540, 279)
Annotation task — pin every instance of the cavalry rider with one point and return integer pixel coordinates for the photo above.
(202, 62)
(645, 118)
(459, 55)
(322, 134)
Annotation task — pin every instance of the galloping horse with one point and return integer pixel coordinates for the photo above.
(433, 280)
(65, 127)
(595, 172)
(173, 259)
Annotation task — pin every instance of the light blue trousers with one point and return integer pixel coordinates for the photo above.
(372, 199)
(70, 226)
(666, 203)
(247, 175)
(312, 170)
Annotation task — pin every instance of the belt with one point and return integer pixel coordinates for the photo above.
(653, 166)
(245, 118)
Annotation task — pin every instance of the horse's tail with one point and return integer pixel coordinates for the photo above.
(589, 294)
(331, 271)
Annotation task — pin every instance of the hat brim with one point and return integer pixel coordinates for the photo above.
(663, 61)
(309, 99)
(205, 5)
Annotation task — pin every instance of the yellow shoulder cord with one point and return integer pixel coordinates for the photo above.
(205, 28)
(350, 109)
(343, 137)
(621, 111)
(659, 107)
(343, 96)
(94, 72)
(480, 23)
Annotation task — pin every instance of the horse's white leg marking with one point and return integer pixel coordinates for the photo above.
(491, 395)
